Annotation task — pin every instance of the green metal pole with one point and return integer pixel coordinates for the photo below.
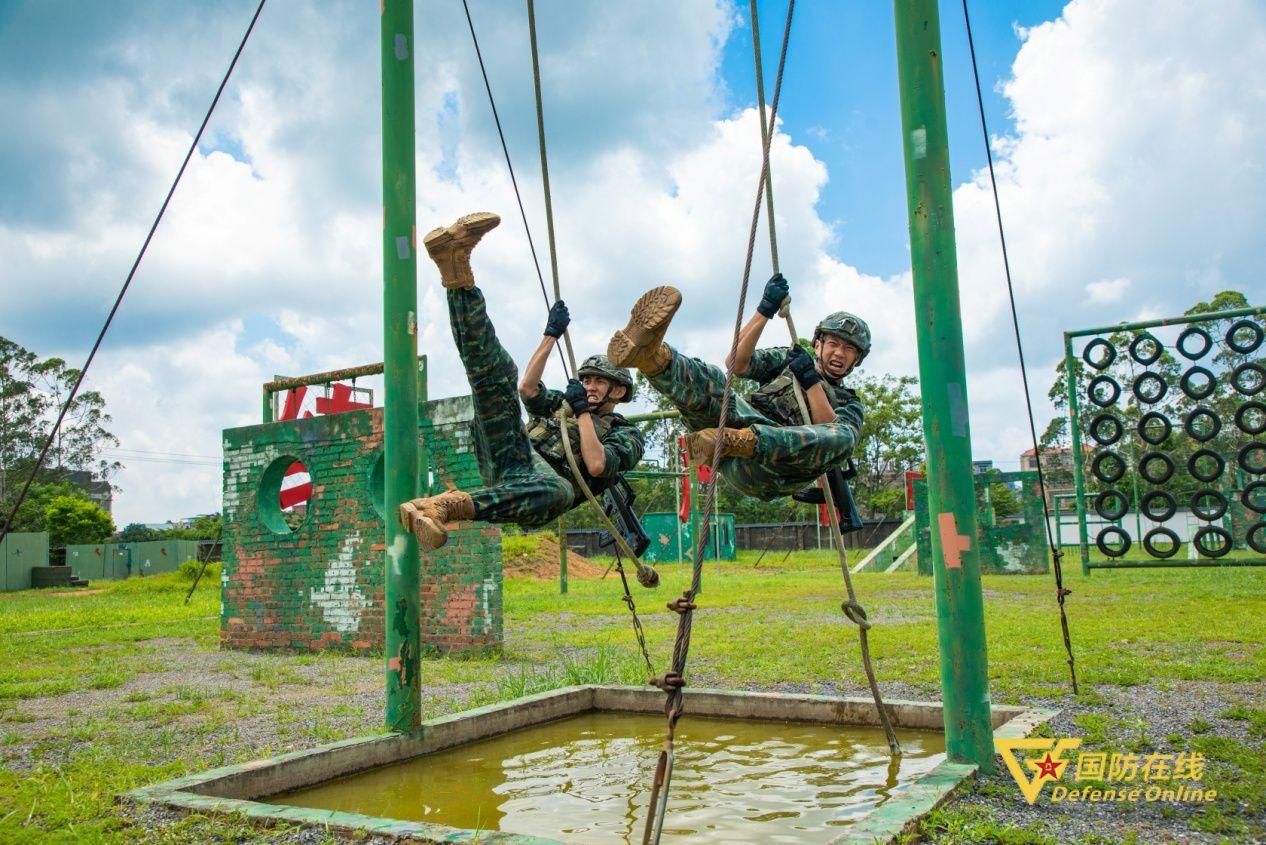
(1252, 310)
(1079, 476)
(942, 373)
(562, 554)
(400, 364)
(268, 405)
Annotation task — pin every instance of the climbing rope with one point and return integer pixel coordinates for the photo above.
(673, 681)
(1057, 553)
(852, 608)
(514, 182)
(74, 391)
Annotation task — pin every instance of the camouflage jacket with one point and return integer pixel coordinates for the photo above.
(622, 443)
(776, 399)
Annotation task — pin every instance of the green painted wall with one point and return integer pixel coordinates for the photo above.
(18, 553)
(116, 561)
(662, 528)
(1018, 546)
(321, 585)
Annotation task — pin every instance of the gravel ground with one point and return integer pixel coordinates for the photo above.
(1147, 718)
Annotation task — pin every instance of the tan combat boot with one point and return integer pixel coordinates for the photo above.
(735, 443)
(450, 248)
(425, 518)
(641, 343)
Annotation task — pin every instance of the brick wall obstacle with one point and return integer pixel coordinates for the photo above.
(320, 585)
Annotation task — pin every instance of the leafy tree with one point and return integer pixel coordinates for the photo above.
(206, 527)
(32, 392)
(71, 520)
(135, 532)
(32, 515)
(891, 444)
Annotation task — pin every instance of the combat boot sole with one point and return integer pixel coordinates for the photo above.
(430, 532)
(449, 247)
(638, 343)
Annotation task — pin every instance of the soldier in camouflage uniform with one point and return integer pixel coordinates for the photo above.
(525, 469)
(767, 451)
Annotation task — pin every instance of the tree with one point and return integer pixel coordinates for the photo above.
(891, 442)
(32, 392)
(71, 520)
(135, 532)
(32, 515)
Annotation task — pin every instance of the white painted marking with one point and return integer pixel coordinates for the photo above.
(919, 142)
(342, 600)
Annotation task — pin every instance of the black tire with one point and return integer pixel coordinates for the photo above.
(1144, 428)
(1149, 377)
(1138, 342)
(1194, 461)
(1193, 393)
(1254, 342)
(1101, 541)
(1190, 332)
(1150, 546)
(1212, 531)
(1111, 354)
(1164, 514)
(1189, 425)
(1096, 467)
(1113, 387)
(1249, 492)
(1111, 514)
(1106, 419)
(1156, 457)
(1237, 377)
(1240, 413)
(1250, 448)
(1216, 512)
(1257, 544)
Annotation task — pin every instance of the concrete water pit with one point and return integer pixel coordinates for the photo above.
(575, 765)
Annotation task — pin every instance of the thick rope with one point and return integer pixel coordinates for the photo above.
(549, 205)
(52, 435)
(1057, 553)
(505, 151)
(673, 682)
(852, 608)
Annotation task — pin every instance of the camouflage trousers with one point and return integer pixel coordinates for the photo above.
(520, 486)
(788, 457)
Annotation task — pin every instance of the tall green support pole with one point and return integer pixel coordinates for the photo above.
(942, 373)
(400, 363)
(1079, 475)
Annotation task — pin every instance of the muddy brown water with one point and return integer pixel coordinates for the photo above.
(587, 779)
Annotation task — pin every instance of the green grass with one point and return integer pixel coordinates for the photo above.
(778, 623)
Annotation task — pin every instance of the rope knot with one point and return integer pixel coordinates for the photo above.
(668, 682)
(647, 577)
(681, 605)
(856, 614)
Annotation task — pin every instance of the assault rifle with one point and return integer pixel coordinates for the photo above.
(850, 518)
(617, 503)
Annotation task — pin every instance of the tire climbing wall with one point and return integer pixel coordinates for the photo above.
(1169, 417)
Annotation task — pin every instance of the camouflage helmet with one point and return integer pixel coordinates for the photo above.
(847, 327)
(598, 365)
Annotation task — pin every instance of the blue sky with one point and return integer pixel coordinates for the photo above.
(1125, 132)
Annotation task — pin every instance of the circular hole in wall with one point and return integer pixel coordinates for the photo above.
(285, 495)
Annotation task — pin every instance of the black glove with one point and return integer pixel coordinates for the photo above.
(575, 396)
(559, 319)
(802, 367)
(776, 290)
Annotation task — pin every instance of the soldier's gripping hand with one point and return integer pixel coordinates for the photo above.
(575, 396)
(802, 367)
(776, 290)
(559, 319)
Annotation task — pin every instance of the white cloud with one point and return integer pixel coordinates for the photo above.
(1138, 128)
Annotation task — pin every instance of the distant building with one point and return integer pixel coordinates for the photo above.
(100, 492)
(981, 467)
(1057, 470)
